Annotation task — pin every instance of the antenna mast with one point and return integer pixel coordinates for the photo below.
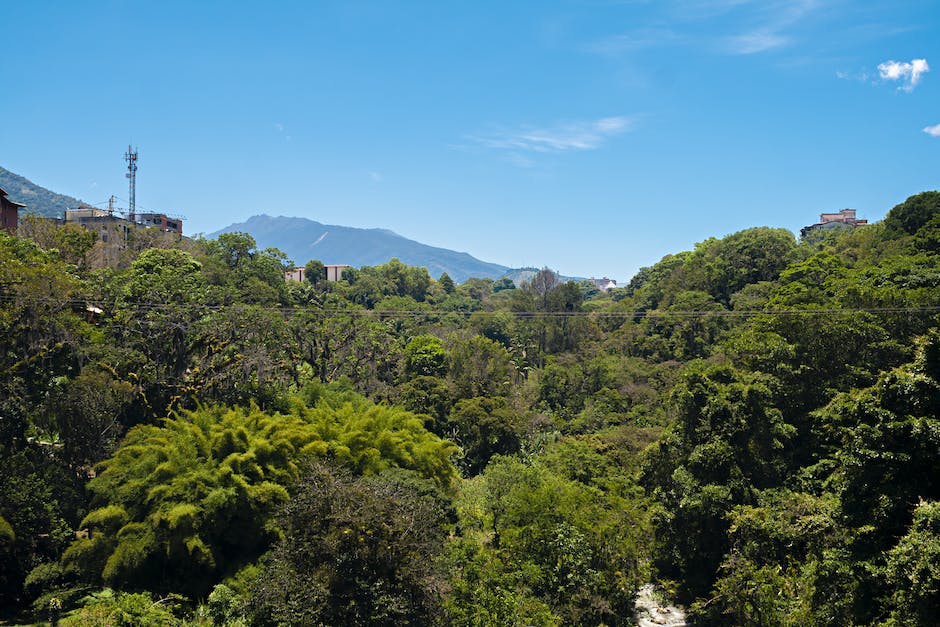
(131, 158)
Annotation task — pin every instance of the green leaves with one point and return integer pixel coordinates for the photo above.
(913, 569)
(355, 551)
(544, 549)
(182, 504)
(909, 216)
(727, 442)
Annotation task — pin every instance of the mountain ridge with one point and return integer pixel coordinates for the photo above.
(38, 200)
(303, 239)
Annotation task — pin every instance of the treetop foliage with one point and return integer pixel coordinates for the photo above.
(750, 424)
(184, 502)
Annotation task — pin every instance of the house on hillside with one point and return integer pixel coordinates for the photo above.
(9, 213)
(830, 221)
(112, 230)
(161, 221)
(294, 274)
(604, 284)
(334, 272)
(331, 272)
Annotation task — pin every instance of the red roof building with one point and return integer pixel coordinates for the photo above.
(9, 213)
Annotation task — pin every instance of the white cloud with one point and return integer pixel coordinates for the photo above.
(908, 74)
(933, 131)
(563, 137)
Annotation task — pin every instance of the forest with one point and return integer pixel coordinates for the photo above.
(752, 425)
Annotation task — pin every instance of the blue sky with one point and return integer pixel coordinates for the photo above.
(593, 137)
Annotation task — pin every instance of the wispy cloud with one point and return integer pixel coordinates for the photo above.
(738, 27)
(908, 74)
(520, 161)
(639, 39)
(933, 131)
(280, 131)
(756, 41)
(562, 137)
(771, 23)
(862, 76)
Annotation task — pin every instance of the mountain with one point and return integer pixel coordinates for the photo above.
(304, 239)
(38, 200)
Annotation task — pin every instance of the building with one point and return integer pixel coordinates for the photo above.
(604, 284)
(9, 213)
(114, 229)
(334, 272)
(831, 221)
(160, 221)
(845, 216)
(331, 272)
(111, 229)
(294, 274)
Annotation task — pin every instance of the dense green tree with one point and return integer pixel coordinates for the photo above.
(355, 551)
(910, 215)
(478, 367)
(477, 289)
(446, 283)
(239, 354)
(88, 415)
(556, 540)
(315, 272)
(156, 305)
(43, 335)
(238, 271)
(779, 570)
(425, 356)
(430, 396)
(726, 443)
(37, 502)
(686, 330)
(483, 427)
(885, 445)
(504, 283)
(913, 570)
(73, 242)
(181, 504)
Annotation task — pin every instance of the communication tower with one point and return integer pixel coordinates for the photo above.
(131, 158)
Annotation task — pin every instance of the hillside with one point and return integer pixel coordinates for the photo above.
(751, 424)
(38, 200)
(304, 239)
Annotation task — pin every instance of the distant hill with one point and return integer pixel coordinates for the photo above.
(304, 239)
(38, 200)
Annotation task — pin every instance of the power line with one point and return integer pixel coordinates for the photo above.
(418, 313)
